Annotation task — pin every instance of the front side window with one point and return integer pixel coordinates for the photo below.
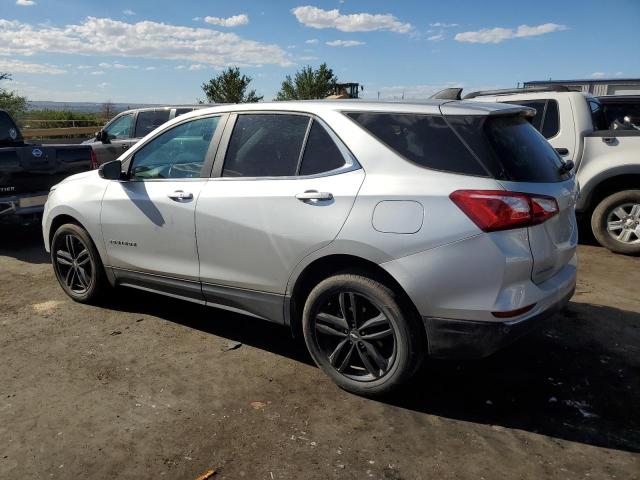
(9, 133)
(176, 153)
(265, 145)
(149, 120)
(120, 128)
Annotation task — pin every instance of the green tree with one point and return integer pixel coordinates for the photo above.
(230, 87)
(11, 101)
(308, 84)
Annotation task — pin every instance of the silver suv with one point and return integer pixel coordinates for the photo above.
(380, 232)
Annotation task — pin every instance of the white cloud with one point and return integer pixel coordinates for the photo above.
(25, 3)
(196, 19)
(312, 41)
(181, 67)
(345, 43)
(498, 34)
(104, 85)
(97, 72)
(436, 38)
(151, 68)
(117, 66)
(443, 25)
(197, 66)
(358, 22)
(598, 75)
(234, 21)
(18, 66)
(307, 58)
(128, 12)
(107, 37)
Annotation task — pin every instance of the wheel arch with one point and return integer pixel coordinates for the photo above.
(326, 266)
(600, 187)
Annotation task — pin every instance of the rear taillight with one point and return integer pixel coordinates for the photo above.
(94, 160)
(495, 210)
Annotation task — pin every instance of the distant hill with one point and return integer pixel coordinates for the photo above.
(85, 107)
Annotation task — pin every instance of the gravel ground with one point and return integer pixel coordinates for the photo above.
(147, 387)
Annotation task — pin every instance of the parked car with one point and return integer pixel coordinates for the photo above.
(621, 111)
(128, 127)
(27, 171)
(371, 229)
(606, 160)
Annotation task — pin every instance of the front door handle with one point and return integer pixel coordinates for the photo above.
(562, 151)
(314, 195)
(180, 196)
(609, 140)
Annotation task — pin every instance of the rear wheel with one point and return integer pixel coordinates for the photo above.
(77, 264)
(616, 222)
(357, 332)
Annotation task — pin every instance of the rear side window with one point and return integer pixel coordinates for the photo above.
(597, 115)
(148, 121)
(182, 111)
(426, 140)
(551, 123)
(8, 130)
(547, 117)
(321, 154)
(265, 145)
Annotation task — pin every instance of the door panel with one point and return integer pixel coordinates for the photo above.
(147, 231)
(251, 233)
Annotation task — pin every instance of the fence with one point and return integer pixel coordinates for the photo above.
(34, 128)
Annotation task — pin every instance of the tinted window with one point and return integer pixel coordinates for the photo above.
(321, 154)
(522, 152)
(177, 153)
(148, 121)
(8, 130)
(423, 139)
(551, 121)
(615, 114)
(539, 105)
(182, 111)
(266, 145)
(120, 127)
(599, 122)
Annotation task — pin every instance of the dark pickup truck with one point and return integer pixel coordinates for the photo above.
(27, 172)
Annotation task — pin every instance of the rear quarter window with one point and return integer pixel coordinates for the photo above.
(426, 140)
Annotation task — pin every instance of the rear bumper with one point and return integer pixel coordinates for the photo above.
(450, 338)
(11, 209)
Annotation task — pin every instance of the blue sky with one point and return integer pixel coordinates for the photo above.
(159, 51)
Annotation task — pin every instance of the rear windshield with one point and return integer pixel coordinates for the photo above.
(9, 133)
(505, 148)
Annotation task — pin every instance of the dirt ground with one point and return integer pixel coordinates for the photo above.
(147, 388)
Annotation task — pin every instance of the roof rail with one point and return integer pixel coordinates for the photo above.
(508, 91)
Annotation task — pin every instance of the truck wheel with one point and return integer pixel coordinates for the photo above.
(77, 264)
(616, 222)
(358, 333)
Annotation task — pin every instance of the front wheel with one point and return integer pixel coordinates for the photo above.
(358, 334)
(77, 264)
(616, 222)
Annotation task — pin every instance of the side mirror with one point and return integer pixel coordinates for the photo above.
(103, 137)
(111, 170)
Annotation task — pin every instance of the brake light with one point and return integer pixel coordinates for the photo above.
(493, 210)
(94, 160)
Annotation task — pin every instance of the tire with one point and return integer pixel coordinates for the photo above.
(616, 222)
(345, 353)
(77, 264)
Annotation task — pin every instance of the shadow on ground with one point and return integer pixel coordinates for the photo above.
(23, 242)
(577, 378)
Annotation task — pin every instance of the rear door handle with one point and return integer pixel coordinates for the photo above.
(562, 151)
(609, 140)
(311, 195)
(180, 196)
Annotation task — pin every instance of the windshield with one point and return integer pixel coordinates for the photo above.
(9, 133)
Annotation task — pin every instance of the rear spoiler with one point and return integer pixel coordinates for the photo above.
(515, 111)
